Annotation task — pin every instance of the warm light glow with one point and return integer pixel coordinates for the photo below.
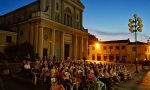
(97, 45)
(131, 21)
(139, 19)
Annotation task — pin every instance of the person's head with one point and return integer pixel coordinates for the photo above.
(105, 70)
(53, 80)
(4, 69)
(28, 62)
(24, 61)
(62, 70)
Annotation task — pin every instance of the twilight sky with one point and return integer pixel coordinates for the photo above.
(107, 19)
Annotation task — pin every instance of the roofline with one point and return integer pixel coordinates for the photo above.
(7, 31)
(20, 8)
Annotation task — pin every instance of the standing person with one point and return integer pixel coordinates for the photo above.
(2, 70)
(1, 84)
(54, 59)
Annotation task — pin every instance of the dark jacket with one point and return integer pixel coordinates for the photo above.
(1, 84)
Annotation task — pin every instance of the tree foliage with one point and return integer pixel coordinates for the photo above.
(92, 39)
(19, 51)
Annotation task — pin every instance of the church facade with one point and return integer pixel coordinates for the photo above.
(53, 27)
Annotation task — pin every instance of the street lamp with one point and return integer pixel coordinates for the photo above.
(97, 45)
(148, 41)
(148, 47)
(135, 26)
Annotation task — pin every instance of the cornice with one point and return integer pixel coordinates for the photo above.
(75, 4)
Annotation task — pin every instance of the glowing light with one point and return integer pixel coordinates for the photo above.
(97, 45)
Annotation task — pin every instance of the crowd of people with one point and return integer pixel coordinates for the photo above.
(76, 75)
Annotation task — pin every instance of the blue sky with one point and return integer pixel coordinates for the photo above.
(10, 5)
(107, 19)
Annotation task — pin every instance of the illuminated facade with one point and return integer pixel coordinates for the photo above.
(118, 51)
(53, 27)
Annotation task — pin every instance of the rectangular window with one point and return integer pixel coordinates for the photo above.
(117, 58)
(124, 58)
(105, 48)
(57, 6)
(117, 47)
(111, 57)
(98, 57)
(105, 57)
(123, 47)
(110, 47)
(8, 39)
(93, 56)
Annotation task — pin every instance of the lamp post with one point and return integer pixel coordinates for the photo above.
(135, 25)
(148, 43)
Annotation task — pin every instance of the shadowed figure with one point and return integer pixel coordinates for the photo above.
(1, 84)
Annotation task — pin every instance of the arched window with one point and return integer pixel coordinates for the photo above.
(57, 15)
(46, 6)
(68, 17)
(57, 6)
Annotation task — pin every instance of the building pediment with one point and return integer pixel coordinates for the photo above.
(77, 2)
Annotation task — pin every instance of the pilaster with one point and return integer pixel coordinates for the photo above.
(31, 34)
(40, 51)
(53, 43)
(36, 37)
(75, 47)
(81, 51)
(87, 48)
(62, 46)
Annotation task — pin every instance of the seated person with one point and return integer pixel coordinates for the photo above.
(55, 86)
(27, 68)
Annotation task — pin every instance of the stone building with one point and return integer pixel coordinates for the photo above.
(53, 27)
(118, 51)
(7, 38)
